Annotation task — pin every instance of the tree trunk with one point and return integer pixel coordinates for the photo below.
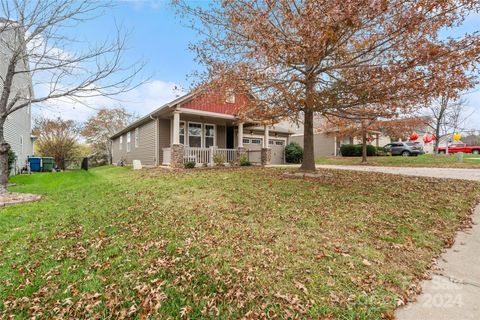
(437, 140)
(364, 146)
(308, 163)
(4, 148)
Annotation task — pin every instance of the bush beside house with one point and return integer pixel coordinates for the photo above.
(11, 160)
(293, 153)
(355, 150)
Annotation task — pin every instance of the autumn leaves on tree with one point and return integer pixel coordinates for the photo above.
(354, 59)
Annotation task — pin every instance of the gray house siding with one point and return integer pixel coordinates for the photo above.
(18, 125)
(18, 132)
(144, 151)
(323, 144)
(163, 136)
(221, 136)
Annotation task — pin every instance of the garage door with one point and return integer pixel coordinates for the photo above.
(278, 150)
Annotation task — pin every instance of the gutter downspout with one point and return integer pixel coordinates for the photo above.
(157, 151)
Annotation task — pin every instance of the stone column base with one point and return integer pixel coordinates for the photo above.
(266, 156)
(177, 154)
(241, 152)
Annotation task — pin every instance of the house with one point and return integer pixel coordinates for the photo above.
(327, 142)
(18, 125)
(195, 127)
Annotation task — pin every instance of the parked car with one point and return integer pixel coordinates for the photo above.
(460, 147)
(405, 149)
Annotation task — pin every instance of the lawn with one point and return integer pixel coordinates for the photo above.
(427, 160)
(117, 243)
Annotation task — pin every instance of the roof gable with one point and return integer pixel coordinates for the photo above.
(215, 100)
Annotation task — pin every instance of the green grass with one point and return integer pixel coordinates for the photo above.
(427, 160)
(113, 243)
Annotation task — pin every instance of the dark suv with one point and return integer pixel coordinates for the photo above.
(405, 149)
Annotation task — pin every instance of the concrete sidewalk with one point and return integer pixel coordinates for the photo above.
(454, 290)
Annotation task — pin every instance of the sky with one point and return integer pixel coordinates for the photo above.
(158, 37)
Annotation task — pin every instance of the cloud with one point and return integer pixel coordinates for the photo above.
(139, 101)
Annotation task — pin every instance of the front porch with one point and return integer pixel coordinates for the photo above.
(207, 140)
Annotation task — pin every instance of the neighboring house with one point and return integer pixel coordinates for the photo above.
(18, 125)
(195, 127)
(328, 143)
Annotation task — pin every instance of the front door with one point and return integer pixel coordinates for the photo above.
(230, 137)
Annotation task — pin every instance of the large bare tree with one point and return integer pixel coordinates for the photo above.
(38, 52)
(291, 55)
(446, 115)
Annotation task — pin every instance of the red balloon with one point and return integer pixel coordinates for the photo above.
(414, 136)
(427, 138)
(433, 137)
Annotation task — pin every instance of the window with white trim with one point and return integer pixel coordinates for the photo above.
(129, 141)
(209, 134)
(279, 142)
(182, 132)
(256, 141)
(246, 141)
(120, 144)
(271, 142)
(230, 96)
(195, 134)
(137, 137)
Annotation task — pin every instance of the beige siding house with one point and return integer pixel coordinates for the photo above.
(196, 127)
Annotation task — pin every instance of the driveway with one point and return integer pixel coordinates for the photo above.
(449, 173)
(454, 290)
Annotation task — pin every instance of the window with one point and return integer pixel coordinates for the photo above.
(129, 140)
(279, 142)
(209, 135)
(246, 141)
(137, 137)
(271, 142)
(256, 141)
(21, 144)
(230, 97)
(195, 134)
(182, 132)
(120, 145)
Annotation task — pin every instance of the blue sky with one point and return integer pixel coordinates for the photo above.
(157, 36)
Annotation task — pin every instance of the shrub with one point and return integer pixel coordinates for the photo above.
(348, 150)
(11, 160)
(244, 161)
(190, 164)
(355, 150)
(293, 153)
(218, 159)
(381, 151)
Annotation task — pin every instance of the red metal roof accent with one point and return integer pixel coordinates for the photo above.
(215, 101)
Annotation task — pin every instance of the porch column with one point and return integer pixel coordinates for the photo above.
(241, 151)
(176, 149)
(266, 153)
(176, 127)
(240, 135)
(266, 137)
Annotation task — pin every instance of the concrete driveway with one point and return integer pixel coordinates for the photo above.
(449, 173)
(454, 290)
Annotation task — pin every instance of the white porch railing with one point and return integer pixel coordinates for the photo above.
(230, 155)
(199, 155)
